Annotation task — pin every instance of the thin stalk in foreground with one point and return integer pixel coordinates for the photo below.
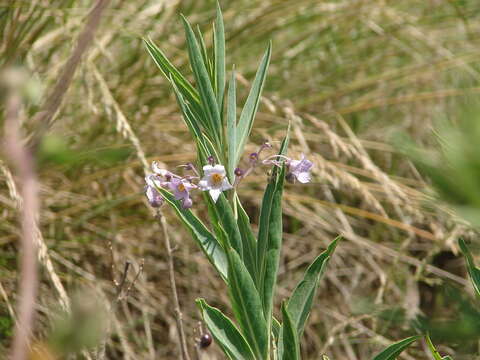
(171, 273)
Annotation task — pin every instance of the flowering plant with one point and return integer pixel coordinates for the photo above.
(246, 261)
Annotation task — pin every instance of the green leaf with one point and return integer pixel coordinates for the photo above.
(229, 224)
(175, 77)
(169, 71)
(249, 241)
(289, 337)
(276, 327)
(219, 48)
(300, 303)
(247, 116)
(270, 236)
(436, 355)
(391, 352)
(247, 305)
(231, 126)
(207, 242)
(202, 78)
(192, 124)
(473, 271)
(225, 332)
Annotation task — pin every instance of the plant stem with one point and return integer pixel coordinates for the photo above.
(171, 272)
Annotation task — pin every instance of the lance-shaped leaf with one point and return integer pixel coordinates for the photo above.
(247, 305)
(270, 236)
(473, 271)
(170, 71)
(249, 242)
(204, 238)
(247, 115)
(300, 303)
(175, 77)
(219, 49)
(231, 126)
(225, 213)
(436, 355)
(225, 332)
(289, 338)
(391, 352)
(205, 89)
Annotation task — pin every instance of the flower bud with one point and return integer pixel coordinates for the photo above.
(211, 160)
(238, 172)
(253, 157)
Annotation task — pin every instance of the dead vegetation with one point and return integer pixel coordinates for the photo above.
(348, 75)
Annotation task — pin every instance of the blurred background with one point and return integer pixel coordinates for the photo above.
(362, 82)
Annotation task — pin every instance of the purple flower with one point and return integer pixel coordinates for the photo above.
(159, 171)
(214, 180)
(155, 199)
(181, 190)
(299, 170)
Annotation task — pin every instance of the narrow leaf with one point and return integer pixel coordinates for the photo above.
(231, 126)
(219, 48)
(247, 305)
(207, 95)
(229, 224)
(248, 239)
(225, 332)
(289, 337)
(207, 242)
(473, 271)
(391, 352)
(270, 236)
(300, 303)
(251, 105)
(169, 70)
(436, 355)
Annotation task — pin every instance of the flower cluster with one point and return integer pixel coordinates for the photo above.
(215, 179)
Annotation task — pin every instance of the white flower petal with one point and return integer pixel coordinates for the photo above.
(203, 184)
(158, 170)
(225, 184)
(219, 169)
(215, 193)
(207, 169)
(293, 164)
(303, 177)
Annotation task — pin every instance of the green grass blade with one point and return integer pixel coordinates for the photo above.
(300, 303)
(391, 352)
(207, 242)
(473, 271)
(225, 332)
(247, 305)
(219, 48)
(288, 338)
(231, 126)
(207, 95)
(249, 110)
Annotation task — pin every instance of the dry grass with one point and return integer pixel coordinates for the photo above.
(347, 74)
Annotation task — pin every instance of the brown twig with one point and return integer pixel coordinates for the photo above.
(44, 118)
(171, 272)
(23, 161)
